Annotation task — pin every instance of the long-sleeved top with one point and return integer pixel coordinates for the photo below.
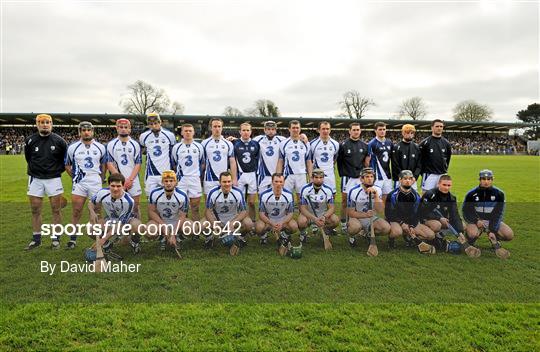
(45, 155)
(484, 204)
(402, 207)
(435, 155)
(351, 156)
(435, 203)
(406, 156)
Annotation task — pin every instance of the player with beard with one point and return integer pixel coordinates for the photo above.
(401, 211)
(317, 206)
(44, 152)
(86, 164)
(124, 156)
(435, 154)
(358, 208)
(406, 155)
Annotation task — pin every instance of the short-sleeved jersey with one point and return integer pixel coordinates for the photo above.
(188, 158)
(269, 155)
(225, 206)
(247, 155)
(316, 200)
(125, 155)
(216, 154)
(120, 209)
(169, 208)
(380, 153)
(85, 160)
(324, 154)
(295, 153)
(158, 150)
(276, 208)
(358, 199)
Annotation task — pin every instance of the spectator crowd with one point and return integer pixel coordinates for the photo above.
(12, 138)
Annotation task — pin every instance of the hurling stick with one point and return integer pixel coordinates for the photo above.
(499, 251)
(471, 251)
(326, 240)
(100, 258)
(372, 251)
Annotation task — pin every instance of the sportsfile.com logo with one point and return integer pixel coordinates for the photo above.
(114, 228)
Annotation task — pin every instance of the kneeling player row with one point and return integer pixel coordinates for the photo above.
(420, 220)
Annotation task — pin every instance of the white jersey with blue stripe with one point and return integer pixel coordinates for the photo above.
(85, 159)
(324, 154)
(225, 205)
(295, 153)
(158, 150)
(216, 153)
(120, 209)
(358, 199)
(169, 208)
(316, 200)
(276, 208)
(188, 158)
(269, 155)
(125, 155)
(380, 153)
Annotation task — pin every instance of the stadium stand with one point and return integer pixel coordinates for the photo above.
(466, 138)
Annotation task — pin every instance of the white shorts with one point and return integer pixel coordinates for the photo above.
(330, 180)
(151, 183)
(347, 183)
(387, 186)
(210, 185)
(135, 189)
(429, 181)
(88, 186)
(191, 185)
(248, 179)
(39, 187)
(265, 183)
(295, 182)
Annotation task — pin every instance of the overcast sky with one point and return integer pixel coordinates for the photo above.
(303, 55)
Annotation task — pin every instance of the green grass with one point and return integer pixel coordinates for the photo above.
(340, 300)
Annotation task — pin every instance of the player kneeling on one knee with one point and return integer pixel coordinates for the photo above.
(226, 215)
(119, 209)
(364, 201)
(401, 211)
(483, 211)
(276, 210)
(316, 206)
(167, 209)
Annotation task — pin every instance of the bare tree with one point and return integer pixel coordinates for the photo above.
(471, 111)
(143, 98)
(231, 111)
(264, 108)
(354, 105)
(414, 108)
(176, 108)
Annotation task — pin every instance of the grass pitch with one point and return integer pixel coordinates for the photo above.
(340, 300)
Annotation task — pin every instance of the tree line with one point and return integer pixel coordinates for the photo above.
(142, 98)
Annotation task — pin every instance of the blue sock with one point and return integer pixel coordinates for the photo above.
(36, 237)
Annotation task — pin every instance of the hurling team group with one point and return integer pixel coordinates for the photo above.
(293, 177)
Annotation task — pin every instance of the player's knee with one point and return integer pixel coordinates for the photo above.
(333, 221)
(302, 222)
(507, 234)
(259, 227)
(472, 231)
(247, 224)
(353, 227)
(395, 231)
(292, 226)
(382, 227)
(434, 225)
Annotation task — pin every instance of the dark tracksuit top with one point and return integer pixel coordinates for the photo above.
(45, 155)
(484, 204)
(445, 203)
(406, 156)
(351, 156)
(402, 207)
(435, 155)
